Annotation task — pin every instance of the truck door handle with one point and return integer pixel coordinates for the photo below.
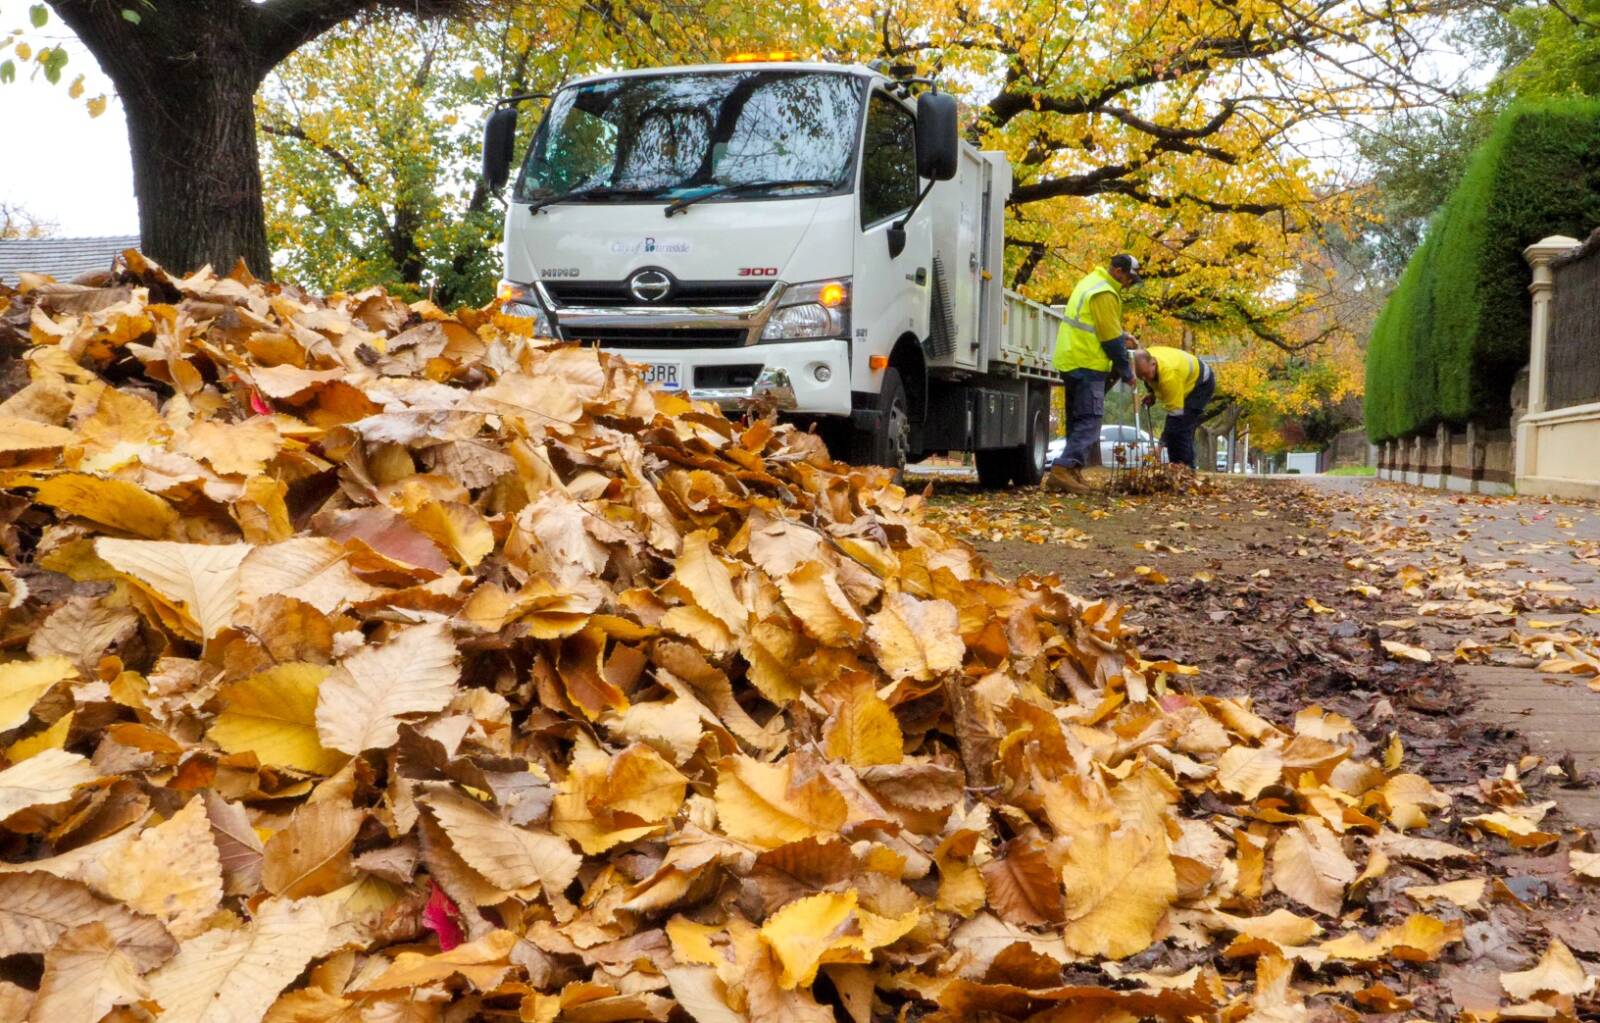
(972, 261)
(922, 275)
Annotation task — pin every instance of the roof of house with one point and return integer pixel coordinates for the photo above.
(61, 258)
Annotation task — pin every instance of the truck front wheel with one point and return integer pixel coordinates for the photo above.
(889, 442)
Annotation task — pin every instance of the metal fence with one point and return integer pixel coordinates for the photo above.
(1572, 359)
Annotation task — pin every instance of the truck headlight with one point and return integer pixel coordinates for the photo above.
(519, 300)
(816, 309)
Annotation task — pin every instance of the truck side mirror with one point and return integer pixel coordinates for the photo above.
(938, 136)
(499, 139)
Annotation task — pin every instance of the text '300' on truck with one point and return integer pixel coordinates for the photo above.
(796, 235)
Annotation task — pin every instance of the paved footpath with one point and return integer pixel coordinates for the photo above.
(1541, 543)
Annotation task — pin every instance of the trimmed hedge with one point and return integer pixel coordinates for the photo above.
(1453, 334)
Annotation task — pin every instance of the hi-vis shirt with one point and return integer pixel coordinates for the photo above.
(1176, 374)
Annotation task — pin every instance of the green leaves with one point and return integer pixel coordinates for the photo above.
(8, 71)
(53, 60)
(38, 14)
(130, 15)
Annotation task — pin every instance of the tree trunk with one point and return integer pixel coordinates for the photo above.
(197, 172)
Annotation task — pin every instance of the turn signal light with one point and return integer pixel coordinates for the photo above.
(878, 362)
(770, 55)
(832, 295)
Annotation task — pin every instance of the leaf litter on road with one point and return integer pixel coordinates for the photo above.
(441, 673)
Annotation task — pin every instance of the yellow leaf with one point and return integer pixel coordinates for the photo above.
(200, 580)
(1520, 829)
(917, 639)
(484, 963)
(54, 737)
(115, 503)
(27, 435)
(829, 927)
(1310, 867)
(708, 580)
(1406, 652)
(1465, 893)
(763, 805)
(97, 106)
(23, 682)
(1556, 973)
(1584, 864)
(1118, 886)
(578, 812)
(312, 569)
(455, 527)
(359, 705)
(36, 909)
(863, 730)
(233, 449)
(640, 782)
(1420, 938)
(274, 716)
(1281, 927)
(813, 593)
(1245, 771)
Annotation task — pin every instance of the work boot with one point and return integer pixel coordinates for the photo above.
(1076, 472)
(1070, 481)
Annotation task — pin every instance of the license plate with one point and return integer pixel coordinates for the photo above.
(666, 375)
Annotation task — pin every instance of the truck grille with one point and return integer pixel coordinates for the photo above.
(704, 294)
(648, 337)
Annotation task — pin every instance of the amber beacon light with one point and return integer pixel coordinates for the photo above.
(768, 55)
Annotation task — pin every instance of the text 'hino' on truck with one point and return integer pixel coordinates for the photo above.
(796, 235)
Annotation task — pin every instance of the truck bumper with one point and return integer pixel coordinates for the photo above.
(791, 376)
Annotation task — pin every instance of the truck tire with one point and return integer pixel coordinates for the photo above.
(1024, 465)
(889, 444)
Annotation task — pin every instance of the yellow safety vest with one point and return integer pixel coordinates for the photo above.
(1077, 344)
(1176, 374)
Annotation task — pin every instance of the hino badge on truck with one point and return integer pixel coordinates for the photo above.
(835, 251)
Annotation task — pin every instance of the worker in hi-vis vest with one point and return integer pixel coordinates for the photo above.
(1184, 385)
(1090, 346)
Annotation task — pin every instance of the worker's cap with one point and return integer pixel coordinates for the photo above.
(1128, 265)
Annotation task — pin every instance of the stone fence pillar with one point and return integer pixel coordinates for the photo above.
(1539, 256)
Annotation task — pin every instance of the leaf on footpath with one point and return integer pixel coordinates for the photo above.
(274, 715)
(359, 705)
(86, 976)
(200, 580)
(1407, 652)
(28, 435)
(1310, 867)
(1245, 771)
(1556, 973)
(1584, 864)
(234, 976)
(1118, 885)
(312, 855)
(1466, 893)
(640, 782)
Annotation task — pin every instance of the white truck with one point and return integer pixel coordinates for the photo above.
(797, 235)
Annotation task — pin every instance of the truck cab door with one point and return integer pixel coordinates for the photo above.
(891, 296)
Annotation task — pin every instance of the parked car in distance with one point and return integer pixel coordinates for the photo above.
(1127, 446)
(1120, 447)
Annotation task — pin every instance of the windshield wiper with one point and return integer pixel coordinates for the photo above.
(679, 205)
(592, 192)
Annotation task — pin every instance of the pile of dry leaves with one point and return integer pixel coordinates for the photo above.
(366, 662)
(1153, 477)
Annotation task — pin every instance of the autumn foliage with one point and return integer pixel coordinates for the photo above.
(369, 662)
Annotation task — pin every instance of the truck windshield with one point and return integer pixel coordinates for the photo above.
(675, 135)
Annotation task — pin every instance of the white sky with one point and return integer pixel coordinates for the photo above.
(58, 163)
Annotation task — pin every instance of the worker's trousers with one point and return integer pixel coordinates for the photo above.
(1086, 406)
(1178, 434)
